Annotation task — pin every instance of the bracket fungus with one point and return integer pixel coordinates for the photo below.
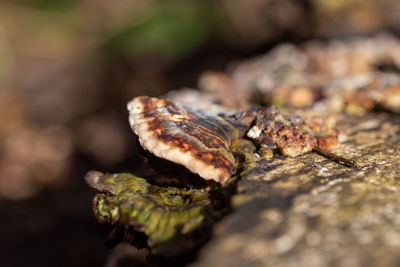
(159, 212)
(164, 219)
(199, 140)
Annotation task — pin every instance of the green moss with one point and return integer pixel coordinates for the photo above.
(245, 150)
(162, 213)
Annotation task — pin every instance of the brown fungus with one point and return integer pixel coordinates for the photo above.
(198, 140)
(292, 135)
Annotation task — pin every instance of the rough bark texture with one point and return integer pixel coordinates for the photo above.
(310, 211)
(303, 210)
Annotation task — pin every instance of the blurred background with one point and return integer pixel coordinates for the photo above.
(67, 70)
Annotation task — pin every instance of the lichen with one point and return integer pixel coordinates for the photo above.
(162, 213)
(309, 211)
(245, 151)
